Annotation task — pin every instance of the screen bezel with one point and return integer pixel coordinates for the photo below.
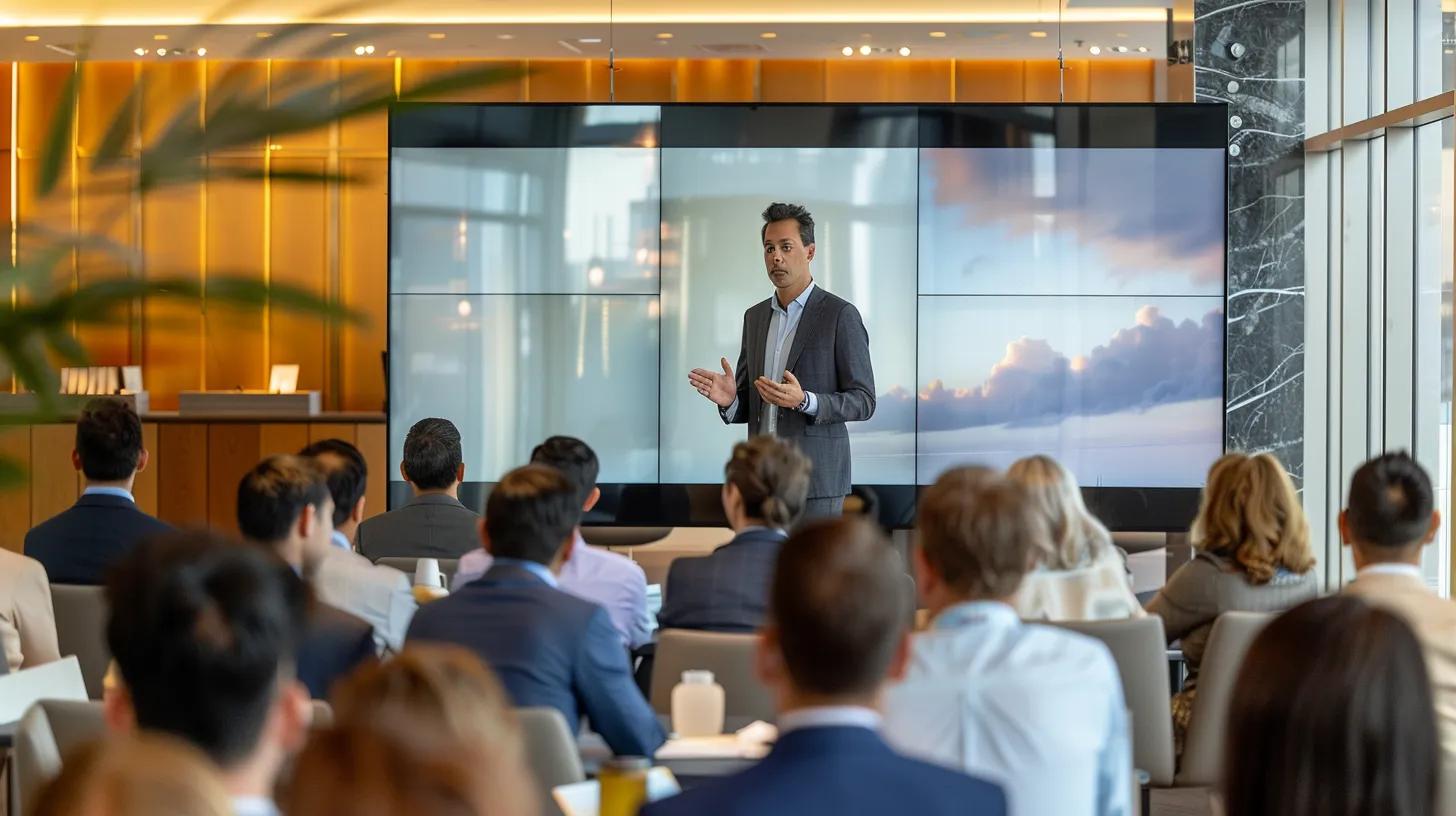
(789, 125)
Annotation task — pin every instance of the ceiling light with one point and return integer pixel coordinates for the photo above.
(847, 51)
(1142, 49)
(201, 52)
(438, 35)
(1094, 50)
(263, 35)
(160, 37)
(904, 50)
(161, 52)
(32, 38)
(938, 34)
(505, 36)
(666, 35)
(589, 40)
(864, 50)
(1122, 49)
(140, 52)
(339, 34)
(362, 50)
(1039, 35)
(768, 35)
(1122, 35)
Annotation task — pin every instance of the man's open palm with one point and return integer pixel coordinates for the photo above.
(721, 388)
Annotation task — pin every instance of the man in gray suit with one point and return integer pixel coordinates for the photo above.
(804, 363)
(434, 524)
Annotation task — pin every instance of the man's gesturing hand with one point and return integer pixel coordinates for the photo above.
(720, 388)
(785, 394)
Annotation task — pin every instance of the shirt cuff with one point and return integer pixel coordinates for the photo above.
(810, 405)
(730, 411)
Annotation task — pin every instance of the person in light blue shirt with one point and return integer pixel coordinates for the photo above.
(1037, 709)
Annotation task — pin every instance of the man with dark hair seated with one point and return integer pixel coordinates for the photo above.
(203, 632)
(433, 523)
(1389, 519)
(78, 545)
(549, 648)
(836, 633)
(284, 506)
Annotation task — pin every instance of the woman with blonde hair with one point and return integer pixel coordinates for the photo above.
(1252, 554)
(141, 774)
(1083, 576)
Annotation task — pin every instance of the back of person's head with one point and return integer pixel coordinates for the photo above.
(1332, 716)
(432, 455)
(108, 440)
(345, 472)
(1391, 503)
(135, 775)
(1251, 516)
(1077, 537)
(980, 533)
(530, 514)
(574, 458)
(203, 631)
(445, 692)
(837, 607)
(772, 476)
(272, 495)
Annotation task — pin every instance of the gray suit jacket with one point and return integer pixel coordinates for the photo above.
(831, 357)
(429, 526)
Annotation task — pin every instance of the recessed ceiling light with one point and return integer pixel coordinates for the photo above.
(1122, 49)
(1094, 50)
(939, 35)
(438, 35)
(768, 35)
(904, 50)
(847, 51)
(201, 52)
(505, 36)
(1040, 35)
(666, 35)
(865, 50)
(140, 52)
(161, 52)
(339, 34)
(160, 37)
(1142, 49)
(32, 38)
(263, 35)
(589, 40)
(1122, 35)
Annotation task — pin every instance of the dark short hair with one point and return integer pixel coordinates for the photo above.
(203, 630)
(1391, 502)
(838, 602)
(530, 512)
(1331, 713)
(432, 454)
(108, 440)
(345, 472)
(273, 494)
(574, 458)
(773, 478)
(779, 211)
(979, 532)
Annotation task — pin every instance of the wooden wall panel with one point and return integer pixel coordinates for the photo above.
(53, 482)
(298, 81)
(103, 208)
(182, 474)
(5, 99)
(791, 80)
(232, 450)
(1042, 81)
(889, 80)
(235, 80)
(332, 430)
(235, 339)
(282, 437)
(363, 272)
(170, 90)
(567, 81)
(104, 89)
(717, 80)
(510, 87)
(1120, 81)
(371, 132)
(144, 490)
(645, 80)
(15, 501)
(371, 442)
(990, 80)
(299, 257)
(41, 85)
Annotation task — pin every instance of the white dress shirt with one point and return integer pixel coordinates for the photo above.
(254, 806)
(380, 596)
(1037, 709)
(830, 717)
(118, 492)
(614, 582)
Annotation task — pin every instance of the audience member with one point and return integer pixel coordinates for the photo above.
(203, 633)
(380, 596)
(836, 631)
(448, 695)
(284, 505)
(548, 647)
(80, 544)
(136, 775)
(27, 620)
(765, 484)
(1083, 576)
(1331, 714)
(433, 524)
(1252, 554)
(1037, 709)
(613, 582)
(1390, 518)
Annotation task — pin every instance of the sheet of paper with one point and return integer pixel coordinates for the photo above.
(58, 680)
(584, 798)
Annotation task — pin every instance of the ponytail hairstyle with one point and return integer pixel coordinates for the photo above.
(773, 478)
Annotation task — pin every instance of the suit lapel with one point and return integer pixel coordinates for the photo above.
(757, 346)
(807, 326)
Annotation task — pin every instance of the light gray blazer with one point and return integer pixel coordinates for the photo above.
(429, 526)
(831, 357)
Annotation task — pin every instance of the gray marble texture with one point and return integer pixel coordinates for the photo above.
(1249, 54)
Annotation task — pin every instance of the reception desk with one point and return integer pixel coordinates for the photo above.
(196, 462)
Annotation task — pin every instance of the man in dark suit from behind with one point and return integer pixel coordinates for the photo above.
(549, 648)
(80, 544)
(284, 505)
(836, 633)
(433, 524)
(765, 484)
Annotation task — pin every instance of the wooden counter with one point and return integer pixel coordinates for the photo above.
(196, 463)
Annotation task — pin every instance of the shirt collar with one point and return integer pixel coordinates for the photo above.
(1407, 570)
(976, 613)
(753, 528)
(539, 570)
(341, 541)
(830, 717)
(254, 806)
(802, 299)
(118, 492)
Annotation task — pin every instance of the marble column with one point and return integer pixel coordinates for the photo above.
(1249, 54)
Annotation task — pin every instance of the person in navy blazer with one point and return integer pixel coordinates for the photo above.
(80, 544)
(836, 634)
(549, 648)
(765, 484)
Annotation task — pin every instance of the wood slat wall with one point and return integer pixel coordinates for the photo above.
(332, 241)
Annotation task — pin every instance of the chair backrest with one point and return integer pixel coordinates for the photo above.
(1140, 651)
(551, 752)
(728, 656)
(1233, 633)
(81, 631)
(49, 731)
(599, 536)
(448, 567)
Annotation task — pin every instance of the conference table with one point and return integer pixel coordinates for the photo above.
(594, 752)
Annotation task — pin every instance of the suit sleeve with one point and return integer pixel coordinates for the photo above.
(610, 697)
(737, 412)
(35, 619)
(854, 401)
(1183, 602)
(668, 615)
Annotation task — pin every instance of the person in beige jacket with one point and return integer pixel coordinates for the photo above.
(1389, 518)
(27, 620)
